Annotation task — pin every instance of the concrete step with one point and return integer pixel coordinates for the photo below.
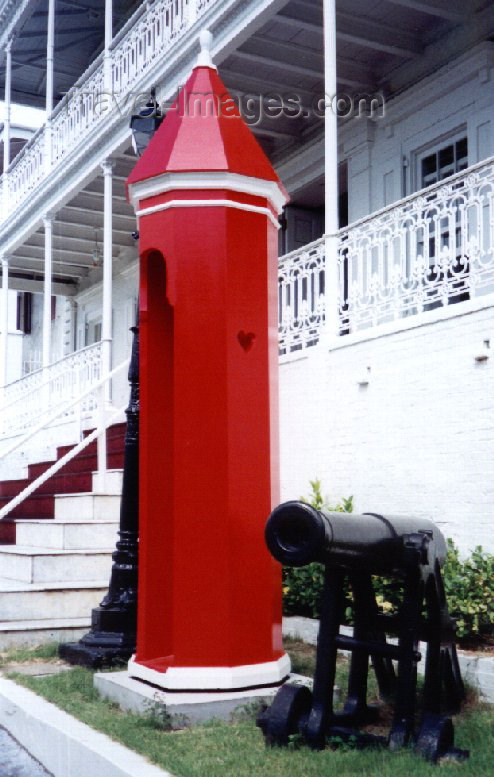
(41, 565)
(108, 483)
(29, 601)
(66, 535)
(31, 633)
(92, 507)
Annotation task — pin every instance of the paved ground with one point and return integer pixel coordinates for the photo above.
(16, 762)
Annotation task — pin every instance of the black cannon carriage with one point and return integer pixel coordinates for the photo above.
(353, 548)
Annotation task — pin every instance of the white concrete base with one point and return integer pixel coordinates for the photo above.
(214, 678)
(63, 745)
(184, 707)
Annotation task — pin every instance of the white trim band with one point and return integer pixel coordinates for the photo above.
(208, 204)
(216, 678)
(236, 182)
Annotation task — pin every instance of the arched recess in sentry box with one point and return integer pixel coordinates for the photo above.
(156, 324)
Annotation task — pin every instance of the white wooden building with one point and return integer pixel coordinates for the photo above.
(378, 116)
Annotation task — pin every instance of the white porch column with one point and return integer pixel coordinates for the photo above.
(50, 49)
(106, 325)
(5, 322)
(47, 294)
(331, 170)
(108, 40)
(6, 125)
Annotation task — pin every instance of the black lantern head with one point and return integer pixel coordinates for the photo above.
(145, 123)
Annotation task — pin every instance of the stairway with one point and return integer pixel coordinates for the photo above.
(55, 553)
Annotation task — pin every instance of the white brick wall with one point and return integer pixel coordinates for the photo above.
(418, 440)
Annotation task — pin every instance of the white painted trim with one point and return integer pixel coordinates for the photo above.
(412, 322)
(235, 182)
(208, 204)
(216, 678)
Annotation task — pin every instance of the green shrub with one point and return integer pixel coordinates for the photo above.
(469, 587)
(469, 584)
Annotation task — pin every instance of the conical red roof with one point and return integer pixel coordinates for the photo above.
(203, 132)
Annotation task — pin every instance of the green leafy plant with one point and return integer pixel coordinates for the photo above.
(317, 500)
(469, 587)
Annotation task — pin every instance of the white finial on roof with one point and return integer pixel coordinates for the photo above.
(204, 58)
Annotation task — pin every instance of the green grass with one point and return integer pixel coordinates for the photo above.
(20, 655)
(238, 750)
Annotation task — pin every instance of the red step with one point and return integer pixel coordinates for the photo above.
(74, 477)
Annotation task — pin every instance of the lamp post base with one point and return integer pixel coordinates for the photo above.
(110, 642)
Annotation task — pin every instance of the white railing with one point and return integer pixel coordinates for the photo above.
(429, 250)
(301, 297)
(83, 107)
(147, 40)
(33, 363)
(95, 394)
(27, 169)
(31, 398)
(91, 101)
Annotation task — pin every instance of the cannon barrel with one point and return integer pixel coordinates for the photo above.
(297, 534)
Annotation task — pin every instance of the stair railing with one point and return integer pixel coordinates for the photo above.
(28, 399)
(106, 417)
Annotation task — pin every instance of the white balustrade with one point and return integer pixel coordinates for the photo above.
(87, 105)
(27, 170)
(301, 298)
(35, 396)
(430, 250)
(83, 108)
(147, 41)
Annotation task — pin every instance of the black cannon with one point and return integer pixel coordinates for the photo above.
(353, 548)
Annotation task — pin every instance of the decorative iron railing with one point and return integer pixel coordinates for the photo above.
(429, 250)
(301, 297)
(156, 28)
(432, 249)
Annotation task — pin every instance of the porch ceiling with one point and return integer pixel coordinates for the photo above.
(374, 38)
(78, 234)
(79, 35)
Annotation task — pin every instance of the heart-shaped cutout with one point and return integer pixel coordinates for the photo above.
(246, 339)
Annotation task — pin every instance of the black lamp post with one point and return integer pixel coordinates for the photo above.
(112, 638)
(145, 123)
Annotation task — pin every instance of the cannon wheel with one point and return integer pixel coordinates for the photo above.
(283, 718)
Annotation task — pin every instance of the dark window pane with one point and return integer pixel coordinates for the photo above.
(446, 156)
(429, 165)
